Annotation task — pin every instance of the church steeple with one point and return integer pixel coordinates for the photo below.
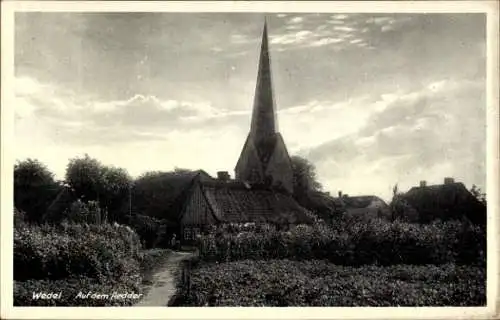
(264, 117)
(264, 158)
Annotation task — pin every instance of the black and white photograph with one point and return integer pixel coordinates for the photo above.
(242, 158)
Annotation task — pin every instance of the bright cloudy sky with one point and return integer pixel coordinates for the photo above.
(371, 99)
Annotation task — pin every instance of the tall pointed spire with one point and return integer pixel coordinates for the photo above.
(264, 158)
(264, 117)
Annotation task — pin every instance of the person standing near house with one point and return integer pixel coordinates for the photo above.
(173, 242)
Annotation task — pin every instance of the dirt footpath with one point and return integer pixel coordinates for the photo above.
(163, 287)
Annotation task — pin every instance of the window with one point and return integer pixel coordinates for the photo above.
(196, 231)
(188, 234)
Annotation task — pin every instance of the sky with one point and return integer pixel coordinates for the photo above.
(370, 99)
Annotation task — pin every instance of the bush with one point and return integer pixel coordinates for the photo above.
(101, 252)
(319, 283)
(81, 212)
(19, 218)
(151, 231)
(350, 242)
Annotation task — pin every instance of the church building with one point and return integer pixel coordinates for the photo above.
(263, 184)
(264, 157)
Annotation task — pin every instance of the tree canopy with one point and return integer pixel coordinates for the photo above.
(93, 181)
(34, 188)
(155, 191)
(304, 176)
(307, 190)
(478, 193)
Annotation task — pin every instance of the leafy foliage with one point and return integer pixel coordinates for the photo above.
(81, 212)
(350, 242)
(19, 218)
(155, 192)
(307, 190)
(101, 252)
(93, 181)
(304, 176)
(478, 193)
(85, 176)
(400, 209)
(151, 231)
(34, 188)
(319, 283)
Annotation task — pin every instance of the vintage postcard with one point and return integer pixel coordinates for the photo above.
(301, 160)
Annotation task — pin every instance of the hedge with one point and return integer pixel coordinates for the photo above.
(151, 230)
(101, 252)
(320, 283)
(350, 243)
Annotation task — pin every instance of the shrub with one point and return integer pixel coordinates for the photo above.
(350, 242)
(19, 218)
(319, 283)
(151, 231)
(102, 252)
(85, 212)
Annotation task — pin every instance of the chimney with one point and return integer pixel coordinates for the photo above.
(448, 180)
(340, 194)
(423, 183)
(223, 175)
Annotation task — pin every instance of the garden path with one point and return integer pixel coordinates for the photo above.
(163, 287)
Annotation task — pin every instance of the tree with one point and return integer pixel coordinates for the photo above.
(93, 181)
(400, 209)
(478, 193)
(304, 176)
(182, 171)
(307, 190)
(85, 177)
(34, 188)
(155, 192)
(116, 192)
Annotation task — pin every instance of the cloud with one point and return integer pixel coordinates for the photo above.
(380, 20)
(434, 132)
(387, 27)
(242, 39)
(344, 28)
(340, 31)
(325, 41)
(138, 118)
(148, 91)
(216, 49)
(319, 117)
(133, 133)
(340, 16)
(386, 24)
(295, 20)
(291, 38)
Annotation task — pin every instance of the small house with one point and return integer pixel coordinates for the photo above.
(368, 206)
(212, 201)
(450, 200)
